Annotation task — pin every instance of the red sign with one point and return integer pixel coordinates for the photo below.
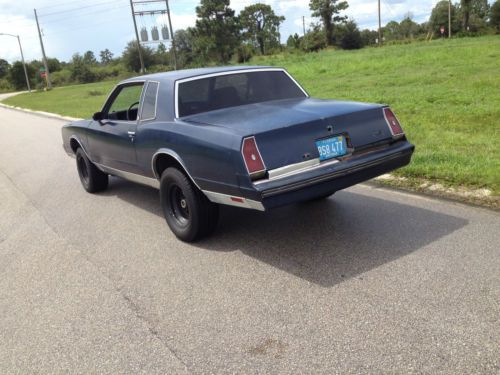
(442, 29)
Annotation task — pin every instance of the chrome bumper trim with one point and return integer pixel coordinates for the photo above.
(293, 169)
(325, 177)
(226, 199)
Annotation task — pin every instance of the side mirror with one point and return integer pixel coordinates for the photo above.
(98, 116)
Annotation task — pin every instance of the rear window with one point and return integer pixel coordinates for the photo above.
(231, 90)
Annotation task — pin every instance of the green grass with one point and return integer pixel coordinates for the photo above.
(75, 101)
(446, 94)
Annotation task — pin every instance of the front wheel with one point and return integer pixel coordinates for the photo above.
(189, 214)
(92, 179)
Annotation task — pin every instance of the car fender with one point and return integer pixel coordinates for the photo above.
(175, 155)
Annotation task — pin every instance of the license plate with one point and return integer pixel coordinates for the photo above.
(332, 147)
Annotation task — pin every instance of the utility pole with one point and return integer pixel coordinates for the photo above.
(174, 52)
(22, 58)
(449, 19)
(379, 25)
(304, 25)
(137, 37)
(47, 73)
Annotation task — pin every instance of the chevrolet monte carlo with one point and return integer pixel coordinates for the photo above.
(243, 136)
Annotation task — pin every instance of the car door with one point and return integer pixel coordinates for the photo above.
(111, 140)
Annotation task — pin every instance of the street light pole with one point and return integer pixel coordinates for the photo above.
(22, 58)
(379, 25)
(449, 19)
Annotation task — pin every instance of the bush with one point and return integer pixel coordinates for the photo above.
(313, 41)
(352, 37)
(61, 77)
(244, 53)
(5, 86)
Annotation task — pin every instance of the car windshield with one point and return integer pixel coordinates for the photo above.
(231, 90)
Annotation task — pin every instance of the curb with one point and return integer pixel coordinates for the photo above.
(40, 113)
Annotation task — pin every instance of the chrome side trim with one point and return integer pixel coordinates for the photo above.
(173, 154)
(226, 199)
(130, 176)
(293, 169)
(229, 72)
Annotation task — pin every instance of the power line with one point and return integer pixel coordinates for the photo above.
(79, 8)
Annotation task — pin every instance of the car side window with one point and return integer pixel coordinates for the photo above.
(124, 106)
(149, 102)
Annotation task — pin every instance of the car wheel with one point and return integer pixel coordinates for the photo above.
(189, 214)
(92, 179)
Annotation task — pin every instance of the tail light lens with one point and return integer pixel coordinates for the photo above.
(393, 122)
(253, 159)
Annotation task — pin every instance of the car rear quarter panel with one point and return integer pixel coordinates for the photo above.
(209, 153)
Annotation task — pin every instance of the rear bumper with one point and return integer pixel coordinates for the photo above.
(332, 177)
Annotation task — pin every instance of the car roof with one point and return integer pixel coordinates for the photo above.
(176, 75)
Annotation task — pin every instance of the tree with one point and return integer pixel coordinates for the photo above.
(495, 15)
(480, 8)
(314, 40)
(369, 37)
(293, 41)
(352, 37)
(408, 28)
(439, 17)
(391, 30)
(130, 56)
(80, 70)
(16, 75)
(4, 68)
(217, 31)
(328, 11)
(89, 58)
(465, 6)
(260, 26)
(162, 56)
(54, 64)
(106, 56)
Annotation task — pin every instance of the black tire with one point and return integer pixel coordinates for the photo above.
(92, 179)
(189, 214)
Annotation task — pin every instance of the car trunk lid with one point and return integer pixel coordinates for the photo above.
(286, 130)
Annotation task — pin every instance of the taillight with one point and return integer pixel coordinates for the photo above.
(253, 160)
(393, 122)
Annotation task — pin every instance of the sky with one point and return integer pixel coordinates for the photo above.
(71, 26)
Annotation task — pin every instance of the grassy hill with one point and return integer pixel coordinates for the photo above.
(446, 94)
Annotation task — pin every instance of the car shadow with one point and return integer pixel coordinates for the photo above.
(324, 242)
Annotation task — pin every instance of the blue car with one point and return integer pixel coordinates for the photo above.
(248, 137)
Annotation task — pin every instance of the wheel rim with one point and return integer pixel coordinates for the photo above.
(179, 208)
(82, 168)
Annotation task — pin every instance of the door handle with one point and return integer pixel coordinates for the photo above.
(131, 135)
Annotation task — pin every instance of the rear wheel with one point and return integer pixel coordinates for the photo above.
(189, 214)
(92, 179)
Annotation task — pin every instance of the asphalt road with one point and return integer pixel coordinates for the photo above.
(369, 281)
